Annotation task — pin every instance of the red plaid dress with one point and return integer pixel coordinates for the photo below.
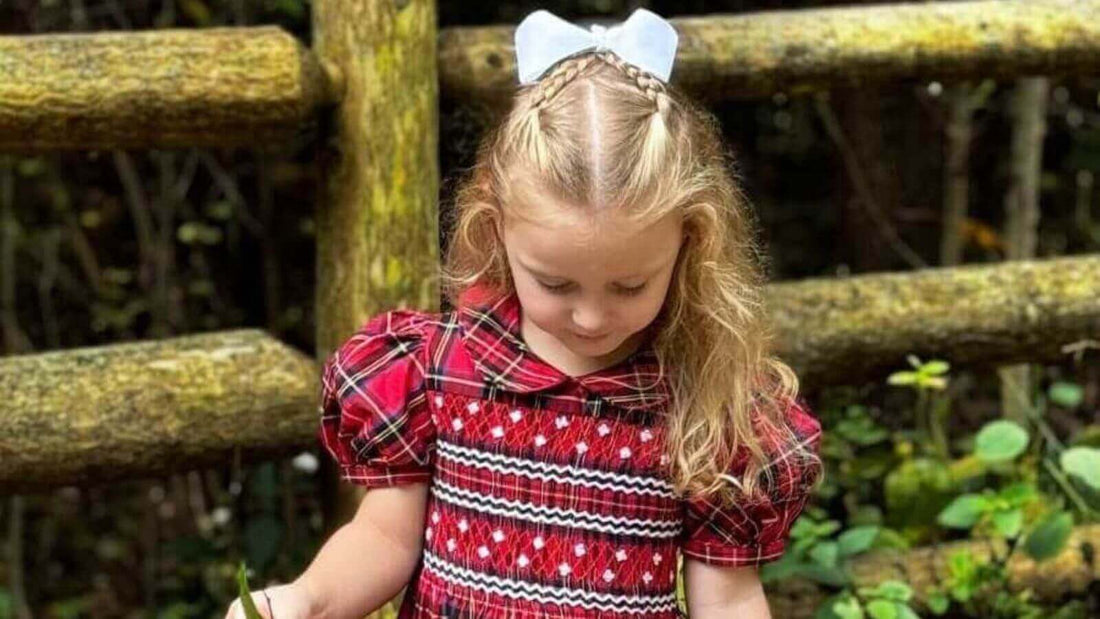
(549, 494)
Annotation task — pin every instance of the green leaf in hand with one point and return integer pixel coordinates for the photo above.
(250, 611)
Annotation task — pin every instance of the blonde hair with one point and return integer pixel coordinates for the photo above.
(599, 132)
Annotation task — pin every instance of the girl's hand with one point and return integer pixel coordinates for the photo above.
(289, 601)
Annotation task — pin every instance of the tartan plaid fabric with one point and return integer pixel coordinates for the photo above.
(549, 494)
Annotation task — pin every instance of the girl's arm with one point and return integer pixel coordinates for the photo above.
(368, 560)
(723, 592)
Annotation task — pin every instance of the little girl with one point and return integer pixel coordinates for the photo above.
(600, 402)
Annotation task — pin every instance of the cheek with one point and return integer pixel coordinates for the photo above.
(539, 306)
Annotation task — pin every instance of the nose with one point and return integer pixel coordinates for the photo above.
(590, 319)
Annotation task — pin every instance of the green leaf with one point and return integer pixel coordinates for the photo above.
(825, 553)
(894, 590)
(847, 608)
(938, 602)
(936, 367)
(904, 612)
(1000, 441)
(882, 609)
(963, 512)
(1048, 537)
(857, 539)
(1008, 522)
(250, 611)
(903, 377)
(1083, 463)
(1065, 394)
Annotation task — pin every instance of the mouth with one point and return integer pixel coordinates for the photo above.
(591, 338)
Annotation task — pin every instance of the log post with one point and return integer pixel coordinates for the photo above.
(377, 230)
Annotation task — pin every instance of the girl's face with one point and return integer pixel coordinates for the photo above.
(590, 282)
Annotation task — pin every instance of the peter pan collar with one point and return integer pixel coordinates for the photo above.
(491, 333)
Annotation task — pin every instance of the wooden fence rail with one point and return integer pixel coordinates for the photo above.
(137, 409)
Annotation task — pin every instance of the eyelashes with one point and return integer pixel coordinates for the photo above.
(564, 288)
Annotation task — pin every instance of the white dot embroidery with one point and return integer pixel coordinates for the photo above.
(540, 440)
(428, 533)
(438, 401)
(647, 577)
(435, 517)
(522, 561)
(664, 460)
(561, 422)
(564, 569)
(608, 575)
(473, 407)
(582, 447)
(498, 536)
(624, 453)
(451, 545)
(579, 550)
(456, 424)
(603, 430)
(482, 552)
(539, 542)
(646, 436)
(463, 526)
(498, 431)
(656, 559)
(516, 415)
(620, 555)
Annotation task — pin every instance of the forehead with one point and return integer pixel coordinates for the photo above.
(572, 241)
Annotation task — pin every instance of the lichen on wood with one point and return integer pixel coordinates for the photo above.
(210, 87)
(98, 414)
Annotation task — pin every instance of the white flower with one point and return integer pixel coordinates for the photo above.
(540, 440)
(221, 515)
(428, 533)
(306, 462)
(582, 447)
(482, 552)
(620, 555)
(522, 560)
(539, 542)
(498, 431)
(647, 577)
(579, 550)
(608, 575)
(435, 517)
(564, 569)
(657, 558)
(473, 407)
(439, 401)
(516, 415)
(498, 536)
(451, 545)
(646, 436)
(463, 526)
(603, 430)
(561, 421)
(624, 453)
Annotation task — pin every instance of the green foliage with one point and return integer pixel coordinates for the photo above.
(1084, 464)
(1000, 441)
(888, 600)
(1049, 536)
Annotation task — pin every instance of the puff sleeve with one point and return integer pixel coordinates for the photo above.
(375, 419)
(755, 531)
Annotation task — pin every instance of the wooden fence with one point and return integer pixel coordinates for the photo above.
(376, 73)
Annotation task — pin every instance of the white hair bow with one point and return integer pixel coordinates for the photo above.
(645, 40)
